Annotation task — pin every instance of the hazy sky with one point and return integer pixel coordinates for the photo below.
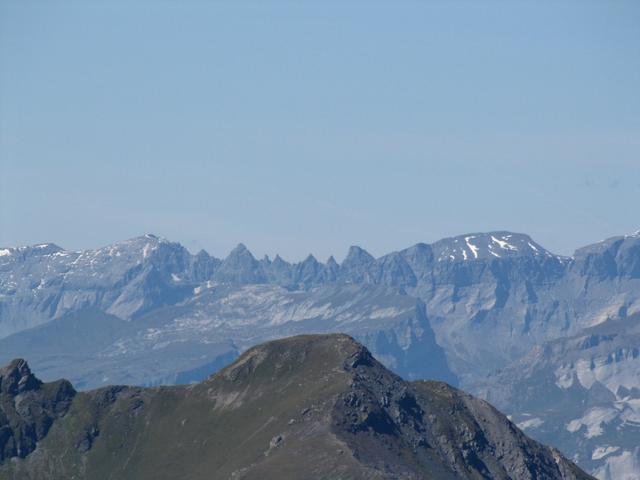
(300, 127)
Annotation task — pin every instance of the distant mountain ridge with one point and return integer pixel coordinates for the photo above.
(474, 284)
(459, 309)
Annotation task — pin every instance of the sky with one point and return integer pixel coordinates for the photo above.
(306, 127)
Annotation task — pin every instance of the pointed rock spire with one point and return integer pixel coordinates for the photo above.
(356, 265)
(240, 268)
(17, 377)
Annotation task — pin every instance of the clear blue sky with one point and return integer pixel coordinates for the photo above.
(300, 127)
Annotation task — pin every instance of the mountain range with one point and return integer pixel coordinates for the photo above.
(491, 312)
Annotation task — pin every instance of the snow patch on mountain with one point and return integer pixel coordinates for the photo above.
(624, 466)
(593, 420)
(601, 452)
(471, 246)
(530, 423)
(504, 244)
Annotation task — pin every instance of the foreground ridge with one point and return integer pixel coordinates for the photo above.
(310, 406)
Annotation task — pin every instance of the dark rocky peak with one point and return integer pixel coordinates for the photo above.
(279, 261)
(306, 272)
(16, 378)
(204, 266)
(240, 267)
(330, 271)
(28, 408)
(384, 420)
(279, 271)
(171, 257)
(331, 263)
(356, 265)
(309, 265)
(279, 264)
(241, 250)
(310, 259)
(357, 256)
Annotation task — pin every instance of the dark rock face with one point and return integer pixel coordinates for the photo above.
(240, 267)
(450, 434)
(28, 408)
(316, 406)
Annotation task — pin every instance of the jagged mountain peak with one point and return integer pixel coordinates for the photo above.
(240, 247)
(310, 259)
(357, 254)
(278, 260)
(240, 266)
(202, 253)
(356, 265)
(16, 377)
(240, 250)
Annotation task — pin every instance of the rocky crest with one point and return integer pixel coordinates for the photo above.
(312, 405)
(28, 408)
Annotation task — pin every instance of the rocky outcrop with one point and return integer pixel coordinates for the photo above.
(28, 408)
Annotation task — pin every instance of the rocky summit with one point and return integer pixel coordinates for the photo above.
(312, 406)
